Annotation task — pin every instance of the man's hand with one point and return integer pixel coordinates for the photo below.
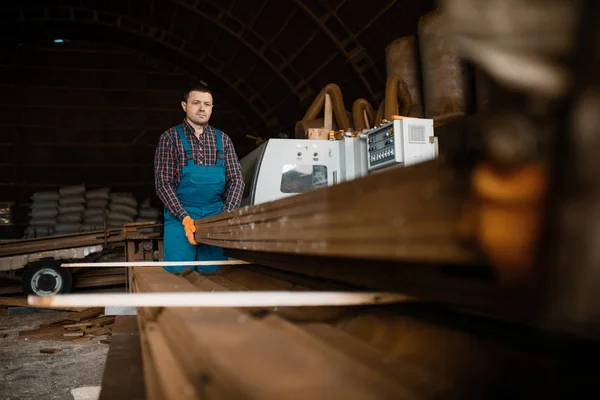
(190, 229)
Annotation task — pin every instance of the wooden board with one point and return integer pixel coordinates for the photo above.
(123, 375)
(470, 287)
(404, 214)
(26, 246)
(222, 365)
(85, 314)
(235, 353)
(151, 264)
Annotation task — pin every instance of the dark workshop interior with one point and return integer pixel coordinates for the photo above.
(417, 215)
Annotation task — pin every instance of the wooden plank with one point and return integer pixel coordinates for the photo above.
(101, 321)
(62, 322)
(153, 264)
(42, 333)
(404, 214)
(208, 283)
(172, 377)
(153, 389)
(467, 287)
(26, 246)
(235, 367)
(317, 201)
(82, 339)
(99, 272)
(72, 334)
(415, 378)
(123, 371)
(84, 282)
(252, 280)
(98, 331)
(85, 314)
(81, 325)
(222, 299)
(328, 114)
(230, 354)
(153, 280)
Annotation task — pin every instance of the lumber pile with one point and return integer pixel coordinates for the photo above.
(407, 351)
(67, 241)
(409, 214)
(80, 326)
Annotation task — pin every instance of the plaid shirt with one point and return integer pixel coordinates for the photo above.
(170, 157)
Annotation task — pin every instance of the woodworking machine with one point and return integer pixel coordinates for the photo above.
(280, 168)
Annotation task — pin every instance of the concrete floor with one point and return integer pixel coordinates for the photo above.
(25, 373)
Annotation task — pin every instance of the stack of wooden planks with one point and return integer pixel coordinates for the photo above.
(408, 350)
(80, 326)
(404, 229)
(409, 214)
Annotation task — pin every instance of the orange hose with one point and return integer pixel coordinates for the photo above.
(395, 88)
(358, 108)
(379, 114)
(337, 101)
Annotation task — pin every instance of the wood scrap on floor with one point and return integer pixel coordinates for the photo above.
(50, 351)
(72, 334)
(81, 326)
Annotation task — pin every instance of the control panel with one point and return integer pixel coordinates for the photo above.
(405, 141)
(380, 145)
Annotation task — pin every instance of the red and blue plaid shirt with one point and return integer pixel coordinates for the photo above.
(170, 157)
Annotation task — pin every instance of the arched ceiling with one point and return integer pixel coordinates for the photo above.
(265, 58)
(91, 109)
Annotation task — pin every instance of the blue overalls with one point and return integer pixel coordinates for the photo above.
(201, 194)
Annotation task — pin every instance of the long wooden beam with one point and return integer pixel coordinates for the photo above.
(404, 214)
(153, 264)
(57, 242)
(218, 299)
(227, 353)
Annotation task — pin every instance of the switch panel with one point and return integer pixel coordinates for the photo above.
(405, 141)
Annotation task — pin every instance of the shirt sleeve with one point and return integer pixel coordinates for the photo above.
(234, 182)
(165, 166)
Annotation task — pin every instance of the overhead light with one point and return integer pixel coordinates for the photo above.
(59, 40)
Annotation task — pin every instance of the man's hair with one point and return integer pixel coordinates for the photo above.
(196, 87)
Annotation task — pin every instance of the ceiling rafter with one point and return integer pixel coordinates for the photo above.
(353, 35)
(270, 43)
(239, 35)
(351, 55)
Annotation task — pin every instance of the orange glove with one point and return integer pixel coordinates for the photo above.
(190, 229)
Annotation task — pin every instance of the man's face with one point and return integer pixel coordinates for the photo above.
(198, 107)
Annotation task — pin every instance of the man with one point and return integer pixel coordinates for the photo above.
(197, 175)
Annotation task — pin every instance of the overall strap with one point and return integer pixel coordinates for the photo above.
(189, 159)
(220, 153)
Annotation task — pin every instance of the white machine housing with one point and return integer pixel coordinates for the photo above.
(404, 142)
(284, 167)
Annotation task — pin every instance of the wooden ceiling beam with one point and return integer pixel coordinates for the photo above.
(321, 22)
